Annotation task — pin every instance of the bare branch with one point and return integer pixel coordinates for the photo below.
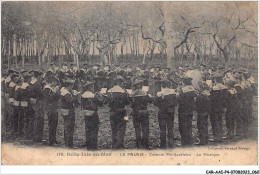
(190, 30)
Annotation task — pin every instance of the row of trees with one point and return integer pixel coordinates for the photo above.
(176, 30)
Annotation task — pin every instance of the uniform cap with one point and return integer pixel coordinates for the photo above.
(101, 73)
(49, 73)
(137, 82)
(121, 72)
(119, 78)
(69, 75)
(230, 82)
(112, 74)
(52, 79)
(88, 83)
(166, 82)
(26, 76)
(14, 75)
(38, 72)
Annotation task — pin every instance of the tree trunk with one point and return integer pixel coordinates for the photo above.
(169, 42)
(137, 46)
(131, 48)
(39, 60)
(93, 51)
(152, 52)
(115, 52)
(226, 59)
(133, 53)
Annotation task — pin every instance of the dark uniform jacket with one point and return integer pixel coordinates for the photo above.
(67, 99)
(17, 96)
(24, 94)
(186, 100)
(203, 102)
(51, 97)
(36, 89)
(90, 101)
(139, 100)
(117, 98)
(218, 97)
(11, 91)
(166, 100)
(232, 100)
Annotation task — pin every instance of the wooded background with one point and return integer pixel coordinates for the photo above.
(42, 32)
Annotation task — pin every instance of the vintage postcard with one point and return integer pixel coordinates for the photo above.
(129, 83)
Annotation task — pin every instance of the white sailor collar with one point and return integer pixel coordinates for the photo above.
(64, 91)
(17, 87)
(88, 94)
(189, 88)
(12, 84)
(33, 81)
(139, 93)
(166, 92)
(47, 86)
(8, 79)
(205, 92)
(239, 85)
(24, 85)
(116, 89)
(219, 86)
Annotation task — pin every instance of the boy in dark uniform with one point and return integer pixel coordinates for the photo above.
(166, 101)
(217, 104)
(7, 111)
(51, 94)
(90, 102)
(250, 88)
(110, 80)
(99, 81)
(186, 101)
(232, 108)
(68, 102)
(139, 101)
(240, 124)
(12, 109)
(18, 117)
(117, 101)
(202, 106)
(24, 105)
(38, 105)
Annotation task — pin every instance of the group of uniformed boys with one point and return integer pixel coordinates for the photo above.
(29, 95)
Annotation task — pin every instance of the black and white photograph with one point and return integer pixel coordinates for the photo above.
(129, 83)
